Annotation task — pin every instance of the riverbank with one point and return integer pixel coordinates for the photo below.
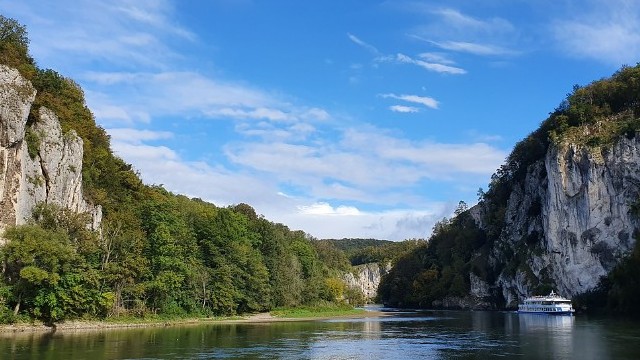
(267, 317)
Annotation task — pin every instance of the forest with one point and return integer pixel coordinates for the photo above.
(364, 251)
(158, 253)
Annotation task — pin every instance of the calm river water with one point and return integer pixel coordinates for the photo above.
(403, 335)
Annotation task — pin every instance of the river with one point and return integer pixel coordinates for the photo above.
(402, 335)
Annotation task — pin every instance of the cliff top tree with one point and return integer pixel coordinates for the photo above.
(14, 47)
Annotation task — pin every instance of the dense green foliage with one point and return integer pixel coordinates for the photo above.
(595, 116)
(14, 47)
(364, 251)
(349, 245)
(435, 269)
(157, 253)
(171, 256)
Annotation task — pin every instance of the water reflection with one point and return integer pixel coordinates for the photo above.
(432, 335)
(541, 322)
(547, 335)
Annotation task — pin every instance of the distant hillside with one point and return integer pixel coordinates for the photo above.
(562, 213)
(349, 245)
(364, 251)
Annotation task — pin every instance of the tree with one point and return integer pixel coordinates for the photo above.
(49, 276)
(14, 47)
(13, 32)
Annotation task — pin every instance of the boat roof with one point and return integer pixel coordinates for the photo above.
(551, 296)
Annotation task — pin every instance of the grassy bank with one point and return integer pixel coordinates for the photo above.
(316, 311)
(277, 315)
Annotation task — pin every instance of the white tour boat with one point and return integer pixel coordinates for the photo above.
(550, 304)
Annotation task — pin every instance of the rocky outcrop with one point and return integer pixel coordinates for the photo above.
(38, 163)
(569, 222)
(366, 277)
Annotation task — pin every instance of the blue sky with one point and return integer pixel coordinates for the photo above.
(340, 118)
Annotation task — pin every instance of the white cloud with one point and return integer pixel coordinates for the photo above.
(436, 67)
(473, 48)
(136, 136)
(110, 112)
(272, 132)
(436, 63)
(403, 109)
(315, 114)
(178, 91)
(608, 32)
(428, 159)
(323, 208)
(387, 224)
(257, 113)
(140, 153)
(450, 29)
(145, 94)
(372, 49)
(128, 33)
(465, 23)
(361, 161)
(160, 164)
(436, 58)
(154, 13)
(422, 100)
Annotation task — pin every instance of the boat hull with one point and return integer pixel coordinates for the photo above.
(546, 312)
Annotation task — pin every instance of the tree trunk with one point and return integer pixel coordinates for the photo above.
(16, 309)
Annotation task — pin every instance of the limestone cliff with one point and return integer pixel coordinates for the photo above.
(366, 277)
(38, 163)
(568, 223)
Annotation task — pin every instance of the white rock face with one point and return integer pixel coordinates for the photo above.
(367, 278)
(570, 219)
(17, 94)
(53, 175)
(479, 288)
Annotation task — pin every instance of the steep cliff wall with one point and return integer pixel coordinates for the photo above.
(37, 163)
(366, 277)
(568, 223)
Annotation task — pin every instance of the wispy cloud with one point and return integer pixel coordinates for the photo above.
(606, 31)
(136, 136)
(431, 66)
(436, 58)
(273, 132)
(122, 32)
(372, 49)
(257, 113)
(154, 13)
(473, 48)
(465, 23)
(159, 164)
(422, 100)
(144, 95)
(364, 159)
(404, 109)
(452, 30)
(435, 63)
